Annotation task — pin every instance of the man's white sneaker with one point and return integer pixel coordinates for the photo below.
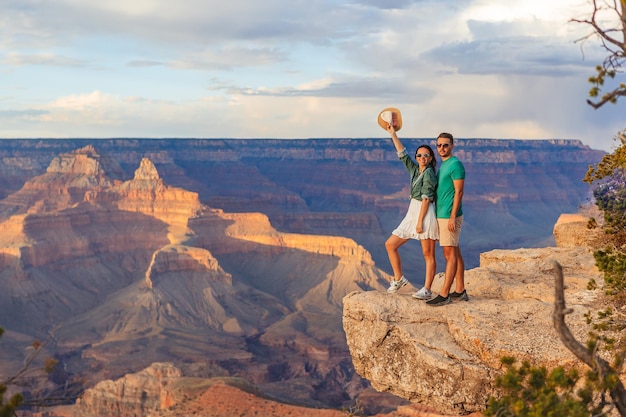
(396, 285)
(423, 294)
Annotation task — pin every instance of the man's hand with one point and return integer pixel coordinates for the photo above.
(452, 224)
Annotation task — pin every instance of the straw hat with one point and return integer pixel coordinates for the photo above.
(385, 117)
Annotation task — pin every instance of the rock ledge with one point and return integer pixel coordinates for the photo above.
(448, 357)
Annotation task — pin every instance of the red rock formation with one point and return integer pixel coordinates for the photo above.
(147, 194)
(140, 394)
(65, 183)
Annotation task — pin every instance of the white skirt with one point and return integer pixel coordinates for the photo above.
(406, 229)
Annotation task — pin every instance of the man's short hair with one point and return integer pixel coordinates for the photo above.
(446, 136)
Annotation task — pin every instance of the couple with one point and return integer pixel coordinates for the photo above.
(423, 224)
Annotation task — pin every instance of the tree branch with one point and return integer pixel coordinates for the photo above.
(591, 359)
(606, 98)
(613, 40)
(28, 361)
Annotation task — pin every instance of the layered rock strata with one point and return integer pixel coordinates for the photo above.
(345, 187)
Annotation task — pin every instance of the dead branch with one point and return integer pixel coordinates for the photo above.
(613, 40)
(591, 359)
(606, 35)
(28, 361)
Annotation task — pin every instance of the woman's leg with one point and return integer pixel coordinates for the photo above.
(428, 249)
(392, 244)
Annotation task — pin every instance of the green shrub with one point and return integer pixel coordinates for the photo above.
(613, 264)
(610, 197)
(529, 391)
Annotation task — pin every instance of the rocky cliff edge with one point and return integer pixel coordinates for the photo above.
(448, 357)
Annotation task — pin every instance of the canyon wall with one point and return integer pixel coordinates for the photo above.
(127, 272)
(443, 360)
(233, 257)
(354, 188)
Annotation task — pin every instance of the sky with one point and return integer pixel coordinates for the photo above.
(509, 69)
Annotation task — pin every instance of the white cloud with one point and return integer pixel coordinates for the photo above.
(16, 59)
(229, 57)
(513, 10)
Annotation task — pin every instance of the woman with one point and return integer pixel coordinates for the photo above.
(420, 221)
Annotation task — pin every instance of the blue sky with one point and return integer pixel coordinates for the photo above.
(299, 69)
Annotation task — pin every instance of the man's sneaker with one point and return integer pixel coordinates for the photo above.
(396, 285)
(423, 294)
(459, 296)
(439, 301)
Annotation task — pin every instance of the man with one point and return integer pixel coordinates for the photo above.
(451, 180)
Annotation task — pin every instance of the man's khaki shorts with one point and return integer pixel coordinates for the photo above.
(446, 237)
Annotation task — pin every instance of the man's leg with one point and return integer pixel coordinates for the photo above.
(448, 240)
(460, 272)
(451, 255)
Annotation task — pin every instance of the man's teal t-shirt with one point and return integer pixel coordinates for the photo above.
(451, 169)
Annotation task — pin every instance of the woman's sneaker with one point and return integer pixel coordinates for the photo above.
(396, 285)
(423, 294)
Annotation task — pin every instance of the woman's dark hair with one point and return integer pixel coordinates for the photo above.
(433, 161)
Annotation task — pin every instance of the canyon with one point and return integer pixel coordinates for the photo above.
(232, 258)
(354, 188)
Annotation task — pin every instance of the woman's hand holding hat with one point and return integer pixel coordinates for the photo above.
(390, 117)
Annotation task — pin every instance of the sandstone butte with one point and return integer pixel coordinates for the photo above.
(441, 359)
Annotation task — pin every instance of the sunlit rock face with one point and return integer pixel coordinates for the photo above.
(449, 356)
(140, 394)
